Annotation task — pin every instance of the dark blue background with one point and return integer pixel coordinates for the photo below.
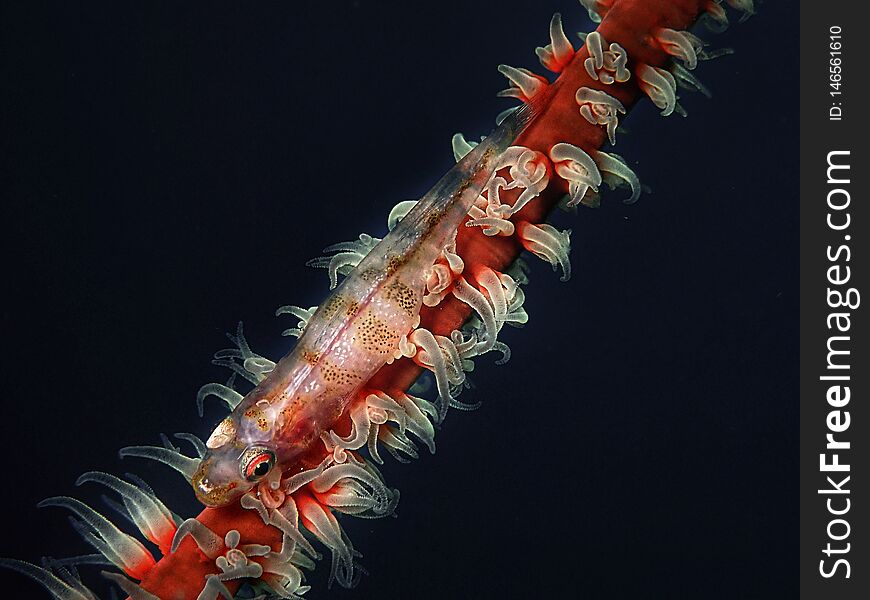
(168, 169)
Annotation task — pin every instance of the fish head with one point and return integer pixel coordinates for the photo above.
(230, 467)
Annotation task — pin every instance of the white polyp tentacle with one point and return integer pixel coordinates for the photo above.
(559, 52)
(214, 589)
(465, 348)
(550, 244)
(303, 314)
(437, 284)
(713, 54)
(575, 166)
(515, 312)
(528, 171)
(505, 352)
(442, 275)
(133, 590)
(716, 19)
(436, 362)
(607, 66)
(146, 511)
(517, 315)
(505, 114)
(386, 408)
(489, 200)
(510, 285)
(525, 84)
(419, 412)
(506, 299)
(615, 61)
(359, 432)
(659, 85)
(123, 550)
(355, 489)
(698, 45)
(269, 489)
(600, 108)
(454, 261)
(67, 571)
(446, 352)
(255, 549)
(489, 213)
(406, 348)
(258, 366)
(228, 395)
(688, 81)
(210, 543)
(455, 372)
(474, 298)
(236, 368)
(360, 246)
(595, 8)
(440, 278)
(616, 172)
(339, 454)
(250, 365)
(747, 7)
(294, 483)
(421, 385)
(465, 406)
(372, 444)
(492, 283)
(595, 47)
(348, 256)
(490, 225)
(235, 564)
(57, 587)
(198, 446)
(321, 522)
(60, 577)
(65, 568)
(305, 562)
(232, 538)
(397, 444)
(338, 264)
(283, 577)
(285, 518)
(399, 211)
(678, 44)
(519, 272)
(183, 464)
(294, 542)
(461, 146)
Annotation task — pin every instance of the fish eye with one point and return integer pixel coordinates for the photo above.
(256, 463)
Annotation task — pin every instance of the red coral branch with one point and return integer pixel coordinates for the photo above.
(631, 23)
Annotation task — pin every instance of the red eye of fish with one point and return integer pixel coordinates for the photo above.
(259, 465)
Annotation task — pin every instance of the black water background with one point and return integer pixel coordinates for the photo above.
(167, 170)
